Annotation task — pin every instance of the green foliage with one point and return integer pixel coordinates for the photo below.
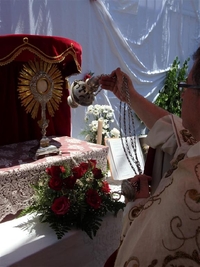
(169, 97)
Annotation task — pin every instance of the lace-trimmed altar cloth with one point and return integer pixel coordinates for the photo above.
(18, 171)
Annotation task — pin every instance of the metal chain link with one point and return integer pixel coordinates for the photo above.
(131, 132)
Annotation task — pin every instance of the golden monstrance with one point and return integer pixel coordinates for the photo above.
(40, 89)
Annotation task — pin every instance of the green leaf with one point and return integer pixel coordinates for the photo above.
(169, 97)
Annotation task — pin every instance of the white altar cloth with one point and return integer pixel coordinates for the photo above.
(25, 242)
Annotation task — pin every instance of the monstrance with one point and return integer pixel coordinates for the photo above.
(40, 89)
(45, 62)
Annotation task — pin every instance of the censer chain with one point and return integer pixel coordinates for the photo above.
(132, 135)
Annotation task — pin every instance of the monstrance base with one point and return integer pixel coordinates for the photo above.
(41, 152)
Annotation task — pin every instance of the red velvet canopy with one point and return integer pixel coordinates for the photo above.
(16, 50)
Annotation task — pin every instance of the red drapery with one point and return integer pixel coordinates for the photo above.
(15, 50)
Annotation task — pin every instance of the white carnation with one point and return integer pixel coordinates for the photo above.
(115, 133)
(95, 113)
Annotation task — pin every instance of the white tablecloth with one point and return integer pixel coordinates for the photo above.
(25, 242)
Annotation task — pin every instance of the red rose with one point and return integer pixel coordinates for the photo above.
(92, 163)
(69, 182)
(97, 173)
(105, 187)
(60, 205)
(55, 183)
(93, 198)
(79, 171)
(54, 171)
(84, 166)
(62, 168)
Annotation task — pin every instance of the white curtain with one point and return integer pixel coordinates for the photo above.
(142, 37)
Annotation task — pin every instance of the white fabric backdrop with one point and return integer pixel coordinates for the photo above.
(143, 37)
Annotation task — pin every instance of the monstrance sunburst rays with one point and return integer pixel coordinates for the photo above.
(40, 82)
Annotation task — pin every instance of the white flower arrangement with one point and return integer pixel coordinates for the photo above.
(95, 113)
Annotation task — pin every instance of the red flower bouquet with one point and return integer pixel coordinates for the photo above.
(75, 197)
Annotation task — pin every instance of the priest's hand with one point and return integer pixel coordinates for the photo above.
(142, 182)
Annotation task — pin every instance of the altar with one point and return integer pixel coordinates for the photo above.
(25, 242)
(18, 171)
